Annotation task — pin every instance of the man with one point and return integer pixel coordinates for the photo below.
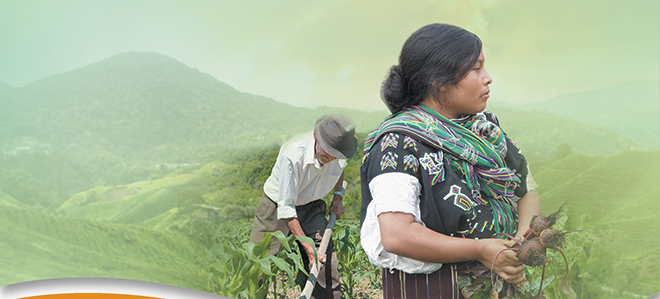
(308, 167)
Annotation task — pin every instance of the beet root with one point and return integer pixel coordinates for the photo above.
(540, 223)
(531, 253)
(552, 239)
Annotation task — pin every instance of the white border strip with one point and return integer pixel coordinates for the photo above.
(101, 285)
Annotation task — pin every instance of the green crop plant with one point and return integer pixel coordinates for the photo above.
(247, 271)
(236, 268)
(353, 262)
(579, 282)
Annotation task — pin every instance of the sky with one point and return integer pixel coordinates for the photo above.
(336, 53)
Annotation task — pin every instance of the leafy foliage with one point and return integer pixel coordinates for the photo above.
(247, 272)
(353, 262)
(579, 282)
(237, 268)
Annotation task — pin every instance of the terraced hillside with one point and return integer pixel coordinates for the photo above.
(618, 198)
(35, 246)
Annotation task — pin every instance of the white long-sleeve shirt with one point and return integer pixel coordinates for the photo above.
(298, 178)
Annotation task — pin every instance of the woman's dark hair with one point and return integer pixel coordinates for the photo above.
(433, 56)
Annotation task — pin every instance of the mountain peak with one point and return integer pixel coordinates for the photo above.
(139, 61)
(5, 86)
(130, 69)
(141, 56)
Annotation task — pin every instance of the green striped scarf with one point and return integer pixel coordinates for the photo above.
(479, 146)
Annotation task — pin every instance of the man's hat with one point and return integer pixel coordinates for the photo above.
(336, 135)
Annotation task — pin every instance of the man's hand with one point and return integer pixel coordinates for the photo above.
(296, 229)
(310, 254)
(337, 206)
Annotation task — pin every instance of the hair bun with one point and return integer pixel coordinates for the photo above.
(392, 91)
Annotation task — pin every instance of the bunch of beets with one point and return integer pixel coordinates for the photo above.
(532, 249)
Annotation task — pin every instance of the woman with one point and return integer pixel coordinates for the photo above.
(440, 178)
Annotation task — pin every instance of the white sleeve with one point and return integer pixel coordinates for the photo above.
(392, 192)
(531, 184)
(288, 189)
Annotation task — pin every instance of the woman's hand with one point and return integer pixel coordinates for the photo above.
(507, 264)
(401, 235)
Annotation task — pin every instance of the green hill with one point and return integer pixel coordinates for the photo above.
(539, 133)
(7, 200)
(134, 103)
(4, 87)
(35, 246)
(114, 121)
(618, 199)
(630, 108)
(129, 204)
(149, 107)
(170, 202)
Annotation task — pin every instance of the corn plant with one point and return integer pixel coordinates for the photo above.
(353, 262)
(246, 270)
